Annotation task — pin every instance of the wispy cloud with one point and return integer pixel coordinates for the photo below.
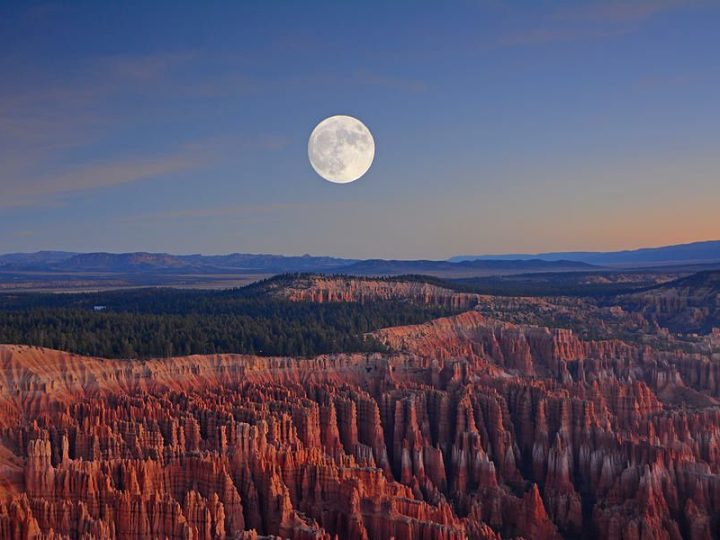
(52, 122)
(233, 210)
(234, 84)
(28, 191)
(90, 78)
(390, 82)
(678, 79)
(619, 11)
(592, 20)
(149, 66)
(43, 114)
(552, 35)
(27, 188)
(24, 233)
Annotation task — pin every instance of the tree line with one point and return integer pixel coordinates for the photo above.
(165, 322)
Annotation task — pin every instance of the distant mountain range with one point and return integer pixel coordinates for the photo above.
(242, 263)
(694, 253)
(381, 267)
(164, 263)
(39, 258)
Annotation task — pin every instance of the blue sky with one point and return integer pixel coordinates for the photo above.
(499, 126)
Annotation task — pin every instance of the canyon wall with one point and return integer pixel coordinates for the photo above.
(474, 428)
(322, 289)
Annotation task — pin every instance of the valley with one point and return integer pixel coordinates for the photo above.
(486, 417)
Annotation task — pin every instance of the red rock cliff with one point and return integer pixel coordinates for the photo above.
(475, 429)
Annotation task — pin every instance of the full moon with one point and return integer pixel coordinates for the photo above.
(341, 149)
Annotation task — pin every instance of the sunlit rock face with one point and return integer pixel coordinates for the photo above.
(474, 428)
(322, 289)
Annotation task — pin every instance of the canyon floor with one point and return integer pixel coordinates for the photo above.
(514, 417)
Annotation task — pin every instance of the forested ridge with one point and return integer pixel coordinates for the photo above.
(169, 322)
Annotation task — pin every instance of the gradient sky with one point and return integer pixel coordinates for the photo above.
(499, 126)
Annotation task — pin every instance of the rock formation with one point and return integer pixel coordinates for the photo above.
(320, 289)
(473, 428)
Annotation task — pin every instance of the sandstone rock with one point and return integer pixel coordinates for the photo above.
(476, 428)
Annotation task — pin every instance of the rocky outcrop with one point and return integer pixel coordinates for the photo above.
(688, 304)
(474, 428)
(322, 289)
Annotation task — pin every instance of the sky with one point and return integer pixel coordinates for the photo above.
(499, 127)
